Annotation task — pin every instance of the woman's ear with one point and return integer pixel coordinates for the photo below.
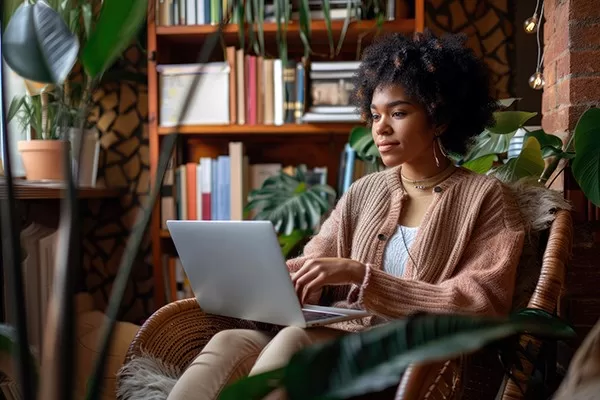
(440, 129)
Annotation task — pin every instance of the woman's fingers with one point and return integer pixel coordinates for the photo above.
(311, 287)
(304, 280)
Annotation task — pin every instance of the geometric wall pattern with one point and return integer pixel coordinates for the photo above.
(489, 27)
(120, 112)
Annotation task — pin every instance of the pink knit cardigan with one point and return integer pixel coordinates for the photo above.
(466, 250)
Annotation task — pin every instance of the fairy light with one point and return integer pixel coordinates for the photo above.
(536, 81)
(532, 24)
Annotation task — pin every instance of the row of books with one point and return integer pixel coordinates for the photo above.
(249, 89)
(38, 265)
(200, 12)
(177, 285)
(217, 188)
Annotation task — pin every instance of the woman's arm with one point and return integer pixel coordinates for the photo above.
(327, 242)
(484, 283)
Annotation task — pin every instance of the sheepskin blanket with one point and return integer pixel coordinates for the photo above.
(148, 378)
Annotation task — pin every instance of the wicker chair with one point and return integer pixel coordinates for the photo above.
(178, 331)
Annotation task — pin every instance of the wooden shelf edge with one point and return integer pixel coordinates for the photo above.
(30, 191)
(288, 129)
(165, 234)
(402, 25)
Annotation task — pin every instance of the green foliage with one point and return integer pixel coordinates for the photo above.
(586, 164)
(290, 203)
(38, 45)
(528, 163)
(374, 360)
(117, 25)
(482, 164)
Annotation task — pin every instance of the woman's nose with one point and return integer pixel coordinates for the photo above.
(383, 128)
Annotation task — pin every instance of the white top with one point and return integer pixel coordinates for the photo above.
(396, 253)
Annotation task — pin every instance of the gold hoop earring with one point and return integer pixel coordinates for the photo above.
(442, 150)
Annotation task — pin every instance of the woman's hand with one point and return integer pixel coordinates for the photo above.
(310, 279)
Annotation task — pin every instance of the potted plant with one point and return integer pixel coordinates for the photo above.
(58, 101)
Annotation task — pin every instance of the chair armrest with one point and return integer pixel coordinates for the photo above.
(177, 332)
(435, 380)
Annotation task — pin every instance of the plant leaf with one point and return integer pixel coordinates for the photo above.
(509, 121)
(482, 164)
(38, 45)
(8, 345)
(505, 103)
(362, 142)
(349, 4)
(289, 242)
(546, 140)
(489, 143)
(86, 12)
(14, 107)
(373, 360)
(118, 23)
(327, 17)
(305, 22)
(586, 164)
(528, 163)
(254, 387)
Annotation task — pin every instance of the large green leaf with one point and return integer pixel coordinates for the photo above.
(327, 17)
(509, 121)
(253, 387)
(489, 143)
(374, 360)
(586, 164)
(528, 163)
(362, 142)
(481, 165)
(505, 103)
(289, 203)
(117, 25)
(551, 145)
(38, 45)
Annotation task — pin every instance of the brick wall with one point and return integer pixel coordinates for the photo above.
(572, 73)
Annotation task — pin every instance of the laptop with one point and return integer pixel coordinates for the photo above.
(236, 269)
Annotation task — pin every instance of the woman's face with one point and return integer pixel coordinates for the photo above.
(400, 129)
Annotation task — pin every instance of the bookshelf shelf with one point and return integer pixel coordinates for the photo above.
(288, 129)
(165, 234)
(31, 191)
(187, 33)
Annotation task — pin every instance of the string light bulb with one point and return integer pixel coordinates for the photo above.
(536, 81)
(531, 24)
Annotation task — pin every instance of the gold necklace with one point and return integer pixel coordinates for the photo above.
(427, 183)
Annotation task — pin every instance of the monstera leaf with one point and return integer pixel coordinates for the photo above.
(38, 45)
(290, 203)
(586, 164)
(528, 163)
(374, 360)
(362, 142)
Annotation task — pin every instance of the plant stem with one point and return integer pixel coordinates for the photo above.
(44, 101)
(558, 173)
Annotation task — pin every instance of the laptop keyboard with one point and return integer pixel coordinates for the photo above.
(310, 315)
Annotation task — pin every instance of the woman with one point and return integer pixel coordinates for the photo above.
(421, 236)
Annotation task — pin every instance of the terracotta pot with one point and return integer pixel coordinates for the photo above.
(43, 159)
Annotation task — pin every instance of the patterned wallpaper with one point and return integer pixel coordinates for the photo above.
(489, 27)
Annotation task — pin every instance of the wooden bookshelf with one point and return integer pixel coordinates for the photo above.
(288, 129)
(190, 33)
(316, 144)
(40, 191)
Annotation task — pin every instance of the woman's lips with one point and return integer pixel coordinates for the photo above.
(385, 147)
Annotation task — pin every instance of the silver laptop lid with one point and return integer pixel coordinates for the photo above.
(237, 269)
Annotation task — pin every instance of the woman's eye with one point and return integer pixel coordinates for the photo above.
(375, 117)
(398, 114)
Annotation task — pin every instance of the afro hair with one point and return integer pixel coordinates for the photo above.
(441, 74)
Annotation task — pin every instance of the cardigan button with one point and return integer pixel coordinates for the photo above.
(381, 237)
(437, 189)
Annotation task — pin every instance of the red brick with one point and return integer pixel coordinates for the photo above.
(585, 89)
(584, 36)
(562, 93)
(550, 73)
(550, 121)
(584, 62)
(549, 98)
(583, 9)
(562, 67)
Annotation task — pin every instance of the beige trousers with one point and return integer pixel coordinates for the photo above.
(233, 354)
